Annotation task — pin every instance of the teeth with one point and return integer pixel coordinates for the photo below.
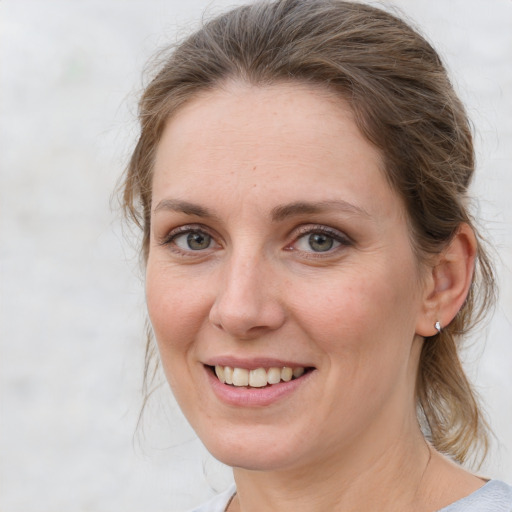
(240, 377)
(258, 378)
(286, 373)
(219, 371)
(274, 375)
(297, 372)
(228, 375)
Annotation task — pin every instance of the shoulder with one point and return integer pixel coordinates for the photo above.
(494, 496)
(218, 503)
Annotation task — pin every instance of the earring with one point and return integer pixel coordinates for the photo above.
(437, 325)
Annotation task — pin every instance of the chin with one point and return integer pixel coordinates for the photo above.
(254, 460)
(255, 451)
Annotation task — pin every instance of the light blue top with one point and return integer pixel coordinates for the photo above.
(494, 496)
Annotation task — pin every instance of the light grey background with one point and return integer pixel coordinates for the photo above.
(72, 304)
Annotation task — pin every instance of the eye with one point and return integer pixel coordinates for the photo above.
(316, 242)
(189, 239)
(193, 241)
(319, 240)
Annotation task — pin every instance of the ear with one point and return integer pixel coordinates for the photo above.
(448, 281)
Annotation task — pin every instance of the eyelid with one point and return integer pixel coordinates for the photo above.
(308, 229)
(186, 228)
(297, 233)
(167, 239)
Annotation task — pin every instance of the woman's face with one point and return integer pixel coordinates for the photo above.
(277, 247)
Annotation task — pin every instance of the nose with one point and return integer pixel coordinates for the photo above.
(247, 304)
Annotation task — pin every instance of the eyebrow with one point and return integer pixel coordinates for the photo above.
(185, 207)
(278, 213)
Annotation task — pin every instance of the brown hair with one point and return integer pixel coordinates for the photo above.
(403, 103)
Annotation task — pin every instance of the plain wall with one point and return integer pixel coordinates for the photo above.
(72, 300)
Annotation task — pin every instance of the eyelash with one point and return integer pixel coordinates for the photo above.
(170, 239)
(308, 230)
(300, 233)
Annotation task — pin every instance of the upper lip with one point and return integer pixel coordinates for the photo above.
(254, 362)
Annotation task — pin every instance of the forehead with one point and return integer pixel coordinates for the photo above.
(285, 113)
(264, 139)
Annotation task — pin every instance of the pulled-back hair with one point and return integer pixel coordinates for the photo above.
(403, 103)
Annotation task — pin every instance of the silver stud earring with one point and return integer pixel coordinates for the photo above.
(438, 327)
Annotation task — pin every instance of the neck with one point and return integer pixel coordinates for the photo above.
(394, 472)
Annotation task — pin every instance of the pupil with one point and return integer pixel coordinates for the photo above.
(320, 243)
(198, 241)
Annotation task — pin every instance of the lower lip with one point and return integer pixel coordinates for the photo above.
(255, 397)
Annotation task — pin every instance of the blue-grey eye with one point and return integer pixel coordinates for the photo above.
(317, 242)
(194, 240)
(320, 242)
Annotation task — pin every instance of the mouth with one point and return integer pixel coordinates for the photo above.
(258, 377)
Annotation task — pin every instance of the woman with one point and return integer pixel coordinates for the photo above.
(301, 180)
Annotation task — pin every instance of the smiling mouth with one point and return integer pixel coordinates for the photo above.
(259, 377)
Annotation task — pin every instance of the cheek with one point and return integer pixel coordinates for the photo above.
(361, 314)
(361, 322)
(177, 313)
(176, 309)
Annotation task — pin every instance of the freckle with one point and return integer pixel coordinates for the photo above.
(254, 168)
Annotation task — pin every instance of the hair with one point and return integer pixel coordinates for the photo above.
(403, 103)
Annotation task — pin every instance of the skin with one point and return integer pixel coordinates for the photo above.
(357, 313)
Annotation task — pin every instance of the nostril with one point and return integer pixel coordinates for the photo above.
(246, 306)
